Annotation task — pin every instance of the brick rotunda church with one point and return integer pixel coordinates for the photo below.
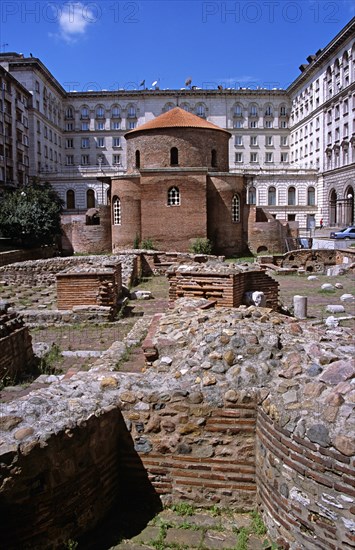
(178, 187)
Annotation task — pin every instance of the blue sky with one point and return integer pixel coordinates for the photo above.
(118, 44)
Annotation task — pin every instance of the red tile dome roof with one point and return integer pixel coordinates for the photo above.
(176, 118)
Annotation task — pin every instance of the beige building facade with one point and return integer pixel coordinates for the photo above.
(294, 147)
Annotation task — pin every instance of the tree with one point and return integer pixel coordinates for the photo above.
(31, 214)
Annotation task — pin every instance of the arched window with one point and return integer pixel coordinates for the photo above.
(90, 198)
(268, 110)
(100, 112)
(173, 196)
(70, 199)
(116, 211)
(291, 196)
(214, 158)
(115, 112)
(271, 196)
(174, 156)
(201, 111)
(238, 110)
(252, 195)
(311, 196)
(69, 113)
(84, 113)
(138, 159)
(253, 110)
(236, 208)
(131, 113)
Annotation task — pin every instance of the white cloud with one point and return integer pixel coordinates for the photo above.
(74, 19)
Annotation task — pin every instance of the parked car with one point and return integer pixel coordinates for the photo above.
(346, 233)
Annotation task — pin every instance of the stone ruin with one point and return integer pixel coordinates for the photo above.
(240, 407)
(222, 285)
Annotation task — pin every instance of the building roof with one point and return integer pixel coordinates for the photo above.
(176, 118)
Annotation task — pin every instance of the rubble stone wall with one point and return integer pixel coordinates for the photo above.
(12, 256)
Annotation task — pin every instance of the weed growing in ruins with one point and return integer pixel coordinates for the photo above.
(136, 242)
(71, 544)
(5, 380)
(327, 291)
(257, 524)
(242, 541)
(183, 509)
(201, 245)
(147, 244)
(49, 361)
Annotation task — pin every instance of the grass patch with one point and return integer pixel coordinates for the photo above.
(242, 540)
(327, 291)
(48, 364)
(257, 524)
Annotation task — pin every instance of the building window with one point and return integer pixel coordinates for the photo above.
(268, 157)
(253, 157)
(173, 196)
(69, 160)
(116, 142)
(100, 112)
(69, 113)
(131, 112)
(214, 158)
(90, 198)
(116, 211)
(174, 156)
(253, 110)
(85, 126)
(115, 125)
(70, 199)
(271, 196)
(239, 157)
(283, 141)
(268, 123)
(116, 159)
(291, 196)
(131, 125)
(84, 113)
(282, 111)
(283, 124)
(116, 112)
(201, 111)
(85, 160)
(311, 196)
(252, 195)
(268, 141)
(100, 142)
(85, 143)
(268, 111)
(100, 126)
(238, 124)
(238, 141)
(69, 143)
(284, 157)
(253, 124)
(238, 110)
(253, 140)
(236, 208)
(138, 159)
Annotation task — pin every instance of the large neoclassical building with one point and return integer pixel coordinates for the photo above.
(294, 147)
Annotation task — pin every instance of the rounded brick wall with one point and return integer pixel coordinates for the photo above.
(129, 192)
(194, 146)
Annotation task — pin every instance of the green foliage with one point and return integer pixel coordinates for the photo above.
(183, 509)
(242, 541)
(136, 242)
(49, 361)
(257, 524)
(31, 214)
(147, 244)
(71, 544)
(201, 245)
(5, 380)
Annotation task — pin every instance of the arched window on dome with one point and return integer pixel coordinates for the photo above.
(174, 196)
(116, 210)
(70, 199)
(214, 158)
(174, 156)
(236, 208)
(138, 159)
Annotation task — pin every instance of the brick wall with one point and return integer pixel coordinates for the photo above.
(67, 484)
(194, 146)
(98, 288)
(226, 289)
(268, 236)
(303, 489)
(87, 239)
(16, 355)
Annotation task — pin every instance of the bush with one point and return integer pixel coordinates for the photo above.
(147, 244)
(31, 214)
(201, 245)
